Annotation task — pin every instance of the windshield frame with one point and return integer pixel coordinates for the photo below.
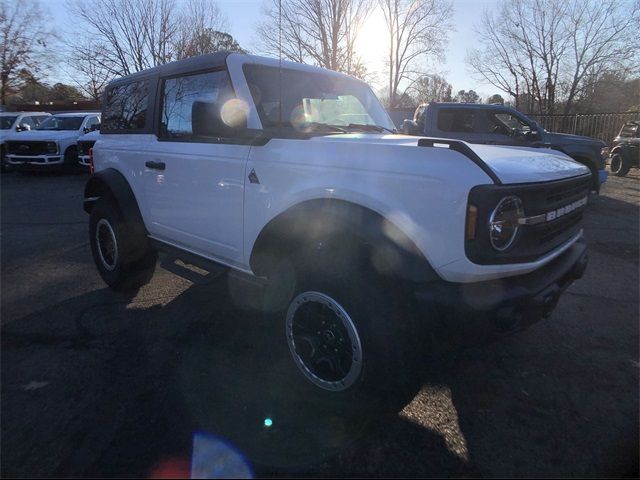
(372, 106)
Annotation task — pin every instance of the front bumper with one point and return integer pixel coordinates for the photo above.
(84, 161)
(602, 176)
(507, 304)
(35, 162)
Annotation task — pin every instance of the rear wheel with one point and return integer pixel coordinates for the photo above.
(124, 259)
(619, 165)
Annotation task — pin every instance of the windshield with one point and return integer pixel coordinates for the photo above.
(7, 121)
(61, 123)
(309, 100)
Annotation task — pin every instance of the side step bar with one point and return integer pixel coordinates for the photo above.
(198, 270)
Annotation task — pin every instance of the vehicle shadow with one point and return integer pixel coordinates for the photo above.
(106, 385)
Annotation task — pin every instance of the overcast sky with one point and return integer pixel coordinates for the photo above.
(242, 16)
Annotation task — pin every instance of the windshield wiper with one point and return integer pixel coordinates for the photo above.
(369, 128)
(315, 126)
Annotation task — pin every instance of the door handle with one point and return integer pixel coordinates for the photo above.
(155, 165)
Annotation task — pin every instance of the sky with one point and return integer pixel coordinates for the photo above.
(243, 15)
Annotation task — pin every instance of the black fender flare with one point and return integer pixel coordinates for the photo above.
(314, 222)
(112, 184)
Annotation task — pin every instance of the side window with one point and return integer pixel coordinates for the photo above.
(512, 122)
(39, 119)
(126, 107)
(193, 106)
(27, 121)
(92, 122)
(456, 120)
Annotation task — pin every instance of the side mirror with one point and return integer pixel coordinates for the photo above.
(410, 127)
(210, 119)
(23, 128)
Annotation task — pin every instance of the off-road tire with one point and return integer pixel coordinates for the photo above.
(133, 262)
(381, 311)
(619, 165)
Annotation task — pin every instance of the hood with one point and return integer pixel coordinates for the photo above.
(567, 138)
(510, 164)
(44, 135)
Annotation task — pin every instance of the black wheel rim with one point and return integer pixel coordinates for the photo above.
(323, 341)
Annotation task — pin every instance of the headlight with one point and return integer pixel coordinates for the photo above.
(503, 223)
(52, 147)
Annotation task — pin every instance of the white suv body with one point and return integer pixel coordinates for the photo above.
(52, 143)
(245, 161)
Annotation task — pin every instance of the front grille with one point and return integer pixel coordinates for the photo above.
(84, 146)
(533, 241)
(27, 148)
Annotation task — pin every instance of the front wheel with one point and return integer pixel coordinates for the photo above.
(352, 336)
(124, 259)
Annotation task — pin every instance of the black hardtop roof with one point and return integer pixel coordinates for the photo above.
(199, 62)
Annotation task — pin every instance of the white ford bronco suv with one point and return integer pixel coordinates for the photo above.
(294, 176)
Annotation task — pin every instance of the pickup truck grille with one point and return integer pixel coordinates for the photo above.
(26, 148)
(535, 240)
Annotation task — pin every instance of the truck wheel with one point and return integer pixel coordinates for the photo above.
(619, 165)
(112, 245)
(352, 336)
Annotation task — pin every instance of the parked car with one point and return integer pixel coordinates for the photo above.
(52, 144)
(11, 122)
(501, 125)
(354, 232)
(85, 144)
(625, 150)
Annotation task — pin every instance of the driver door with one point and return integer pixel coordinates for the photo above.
(504, 128)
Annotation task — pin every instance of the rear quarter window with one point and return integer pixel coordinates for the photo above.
(126, 107)
(456, 120)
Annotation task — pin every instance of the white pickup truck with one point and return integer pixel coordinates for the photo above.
(295, 176)
(52, 145)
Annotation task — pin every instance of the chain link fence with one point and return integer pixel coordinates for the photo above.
(604, 126)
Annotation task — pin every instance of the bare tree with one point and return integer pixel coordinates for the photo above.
(128, 35)
(23, 44)
(538, 51)
(417, 31)
(431, 88)
(200, 24)
(603, 37)
(320, 32)
(89, 72)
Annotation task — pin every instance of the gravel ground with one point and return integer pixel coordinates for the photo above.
(96, 383)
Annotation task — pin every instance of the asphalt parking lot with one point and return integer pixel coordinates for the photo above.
(96, 383)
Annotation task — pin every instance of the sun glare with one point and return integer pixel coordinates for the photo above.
(372, 40)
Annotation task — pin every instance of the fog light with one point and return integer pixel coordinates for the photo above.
(503, 223)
